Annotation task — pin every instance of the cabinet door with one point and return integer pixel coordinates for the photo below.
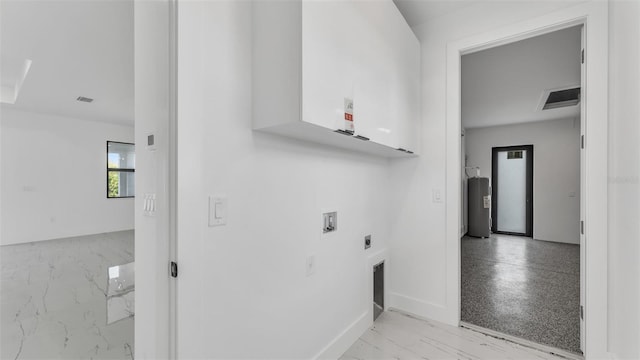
(329, 66)
(373, 92)
(407, 79)
(364, 51)
(387, 88)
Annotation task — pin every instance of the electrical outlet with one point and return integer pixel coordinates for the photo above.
(437, 195)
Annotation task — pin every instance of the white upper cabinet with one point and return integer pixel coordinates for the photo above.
(313, 58)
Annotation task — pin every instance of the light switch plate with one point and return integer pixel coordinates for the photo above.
(217, 211)
(149, 205)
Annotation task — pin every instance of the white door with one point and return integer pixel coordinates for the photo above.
(512, 190)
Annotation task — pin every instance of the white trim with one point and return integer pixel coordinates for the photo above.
(413, 306)
(172, 185)
(346, 338)
(582, 193)
(594, 15)
(155, 39)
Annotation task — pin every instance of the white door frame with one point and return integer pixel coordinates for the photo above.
(594, 16)
(155, 113)
(172, 187)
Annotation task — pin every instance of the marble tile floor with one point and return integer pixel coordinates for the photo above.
(398, 336)
(523, 287)
(121, 292)
(53, 299)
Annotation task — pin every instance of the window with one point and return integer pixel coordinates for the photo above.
(514, 154)
(121, 167)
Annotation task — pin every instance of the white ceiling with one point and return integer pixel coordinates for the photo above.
(77, 48)
(417, 12)
(504, 85)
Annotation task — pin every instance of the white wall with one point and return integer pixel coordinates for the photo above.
(243, 292)
(624, 179)
(54, 177)
(556, 171)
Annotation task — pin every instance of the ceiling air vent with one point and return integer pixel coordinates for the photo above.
(84, 99)
(561, 98)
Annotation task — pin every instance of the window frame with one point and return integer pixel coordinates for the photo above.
(129, 170)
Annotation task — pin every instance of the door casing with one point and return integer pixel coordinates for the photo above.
(593, 15)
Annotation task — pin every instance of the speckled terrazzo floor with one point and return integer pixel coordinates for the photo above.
(523, 287)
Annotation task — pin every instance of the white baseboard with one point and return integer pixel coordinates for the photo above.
(346, 338)
(421, 309)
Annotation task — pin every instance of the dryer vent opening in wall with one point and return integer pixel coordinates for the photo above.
(378, 290)
(554, 99)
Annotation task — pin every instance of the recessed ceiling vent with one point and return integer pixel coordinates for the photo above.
(555, 99)
(84, 99)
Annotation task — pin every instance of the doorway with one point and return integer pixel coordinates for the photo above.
(594, 123)
(512, 280)
(512, 185)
